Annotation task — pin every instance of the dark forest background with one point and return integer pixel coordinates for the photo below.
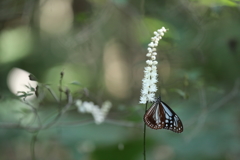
(100, 47)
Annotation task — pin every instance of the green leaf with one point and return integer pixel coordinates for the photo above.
(21, 92)
(27, 86)
(32, 89)
(76, 83)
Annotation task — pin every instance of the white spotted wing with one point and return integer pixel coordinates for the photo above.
(161, 116)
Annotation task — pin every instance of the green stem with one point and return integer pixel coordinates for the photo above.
(144, 137)
(32, 145)
(60, 86)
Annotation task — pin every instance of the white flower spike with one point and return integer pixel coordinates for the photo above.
(149, 87)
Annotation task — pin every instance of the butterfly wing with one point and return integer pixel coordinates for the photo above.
(172, 121)
(153, 118)
(160, 115)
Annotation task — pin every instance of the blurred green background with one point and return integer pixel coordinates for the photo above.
(101, 46)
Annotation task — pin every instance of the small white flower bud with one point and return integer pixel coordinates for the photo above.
(153, 88)
(154, 62)
(143, 100)
(157, 39)
(148, 54)
(151, 44)
(149, 62)
(154, 68)
(151, 97)
(149, 50)
(153, 57)
(148, 69)
(154, 53)
(155, 33)
(147, 75)
(164, 29)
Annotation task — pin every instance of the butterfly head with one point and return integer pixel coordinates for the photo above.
(158, 100)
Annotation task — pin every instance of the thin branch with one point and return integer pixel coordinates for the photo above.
(204, 104)
(227, 98)
(202, 97)
(35, 111)
(200, 122)
(52, 93)
(61, 112)
(69, 124)
(201, 119)
(40, 127)
(60, 86)
(32, 145)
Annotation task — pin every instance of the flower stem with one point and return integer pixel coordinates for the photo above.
(32, 145)
(60, 86)
(144, 136)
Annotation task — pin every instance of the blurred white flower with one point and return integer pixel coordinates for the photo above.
(149, 87)
(99, 114)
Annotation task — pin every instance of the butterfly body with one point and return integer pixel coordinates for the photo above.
(161, 116)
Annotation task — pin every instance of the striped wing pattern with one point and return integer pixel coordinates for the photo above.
(161, 116)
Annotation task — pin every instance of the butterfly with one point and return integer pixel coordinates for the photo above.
(161, 116)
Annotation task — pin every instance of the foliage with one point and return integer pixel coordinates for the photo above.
(100, 47)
